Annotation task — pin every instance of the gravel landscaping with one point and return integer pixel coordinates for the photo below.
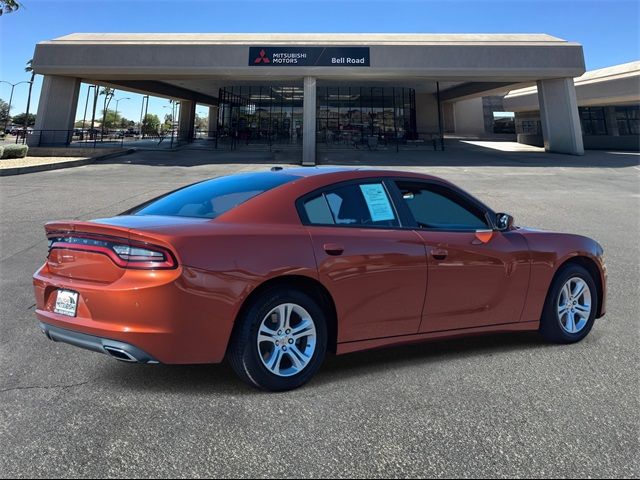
(35, 161)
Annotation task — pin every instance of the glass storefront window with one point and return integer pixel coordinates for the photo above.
(529, 127)
(261, 114)
(592, 120)
(628, 119)
(350, 115)
(389, 124)
(345, 114)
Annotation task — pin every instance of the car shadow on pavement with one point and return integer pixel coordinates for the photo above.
(220, 379)
(427, 354)
(189, 379)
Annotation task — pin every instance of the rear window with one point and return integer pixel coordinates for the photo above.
(212, 198)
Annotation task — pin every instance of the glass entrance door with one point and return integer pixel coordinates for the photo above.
(261, 115)
(351, 116)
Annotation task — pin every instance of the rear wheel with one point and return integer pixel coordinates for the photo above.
(280, 340)
(571, 305)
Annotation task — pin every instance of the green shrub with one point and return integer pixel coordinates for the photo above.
(1, 150)
(14, 151)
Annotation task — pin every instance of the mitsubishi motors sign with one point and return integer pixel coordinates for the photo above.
(309, 56)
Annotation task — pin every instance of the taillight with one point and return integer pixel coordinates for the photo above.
(122, 252)
(137, 254)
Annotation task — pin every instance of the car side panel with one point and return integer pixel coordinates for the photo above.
(378, 283)
(349, 347)
(226, 266)
(549, 251)
(477, 284)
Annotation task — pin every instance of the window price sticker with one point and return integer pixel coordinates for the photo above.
(377, 202)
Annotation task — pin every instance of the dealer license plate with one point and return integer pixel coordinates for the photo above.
(66, 303)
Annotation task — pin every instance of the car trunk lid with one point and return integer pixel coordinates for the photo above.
(100, 252)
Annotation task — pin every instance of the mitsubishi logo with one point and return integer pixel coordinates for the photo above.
(262, 58)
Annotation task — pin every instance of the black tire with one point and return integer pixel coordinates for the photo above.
(244, 355)
(551, 325)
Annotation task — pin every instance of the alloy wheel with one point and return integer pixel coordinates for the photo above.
(287, 340)
(574, 305)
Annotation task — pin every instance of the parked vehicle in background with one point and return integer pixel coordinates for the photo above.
(21, 133)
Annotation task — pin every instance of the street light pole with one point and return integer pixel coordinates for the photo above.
(13, 85)
(146, 110)
(173, 120)
(86, 104)
(116, 117)
(202, 116)
(172, 106)
(124, 98)
(26, 115)
(93, 115)
(84, 117)
(145, 98)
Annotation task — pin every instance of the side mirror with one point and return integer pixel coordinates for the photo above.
(504, 222)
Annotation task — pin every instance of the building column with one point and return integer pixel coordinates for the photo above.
(426, 113)
(449, 117)
(561, 129)
(56, 111)
(309, 122)
(187, 120)
(469, 117)
(213, 121)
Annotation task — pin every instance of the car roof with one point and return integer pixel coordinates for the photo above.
(277, 205)
(347, 172)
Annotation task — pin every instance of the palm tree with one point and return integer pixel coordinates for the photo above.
(8, 6)
(29, 69)
(108, 95)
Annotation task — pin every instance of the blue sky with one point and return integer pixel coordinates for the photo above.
(608, 29)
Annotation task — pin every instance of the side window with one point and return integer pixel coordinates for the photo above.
(360, 205)
(318, 211)
(437, 207)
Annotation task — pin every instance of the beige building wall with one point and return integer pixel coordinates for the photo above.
(426, 113)
(469, 117)
(448, 117)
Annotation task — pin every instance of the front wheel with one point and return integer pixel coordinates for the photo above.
(571, 305)
(280, 340)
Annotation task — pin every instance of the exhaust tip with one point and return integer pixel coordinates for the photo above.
(45, 332)
(120, 354)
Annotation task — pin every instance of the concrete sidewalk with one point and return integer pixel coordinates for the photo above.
(457, 153)
(462, 153)
(32, 164)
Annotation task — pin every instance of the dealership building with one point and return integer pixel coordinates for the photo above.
(314, 89)
(608, 107)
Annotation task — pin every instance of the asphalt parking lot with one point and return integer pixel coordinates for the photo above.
(495, 406)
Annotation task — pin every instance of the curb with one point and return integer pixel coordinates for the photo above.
(58, 166)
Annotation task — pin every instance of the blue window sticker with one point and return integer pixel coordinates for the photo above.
(377, 202)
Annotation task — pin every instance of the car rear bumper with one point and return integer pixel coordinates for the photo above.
(165, 314)
(114, 348)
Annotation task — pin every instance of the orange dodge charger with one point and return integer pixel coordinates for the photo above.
(274, 269)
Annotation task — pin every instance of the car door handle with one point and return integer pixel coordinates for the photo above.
(333, 249)
(439, 253)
